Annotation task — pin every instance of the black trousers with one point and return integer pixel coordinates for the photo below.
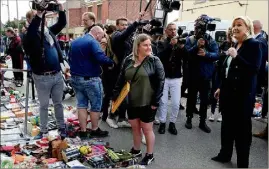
(17, 63)
(203, 87)
(109, 81)
(236, 129)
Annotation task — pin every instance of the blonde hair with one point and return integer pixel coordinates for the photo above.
(249, 24)
(90, 15)
(137, 41)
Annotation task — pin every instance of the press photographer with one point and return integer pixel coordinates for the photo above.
(171, 52)
(203, 51)
(45, 56)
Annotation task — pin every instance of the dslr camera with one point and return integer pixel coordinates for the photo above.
(155, 27)
(42, 5)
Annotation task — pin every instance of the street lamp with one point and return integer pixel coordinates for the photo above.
(7, 9)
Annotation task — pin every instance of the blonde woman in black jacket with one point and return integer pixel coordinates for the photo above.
(145, 93)
(237, 93)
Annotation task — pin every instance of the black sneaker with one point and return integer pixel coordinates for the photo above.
(204, 127)
(188, 124)
(99, 133)
(162, 128)
(136, 153)
(221, 159)
(147, 159)
(172, 128)
(83, 135)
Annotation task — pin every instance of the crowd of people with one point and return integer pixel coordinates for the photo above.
(158, 67)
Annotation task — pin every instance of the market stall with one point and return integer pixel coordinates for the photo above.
(20, 123)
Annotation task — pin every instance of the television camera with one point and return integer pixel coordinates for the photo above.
(48, 5)
(203, 24)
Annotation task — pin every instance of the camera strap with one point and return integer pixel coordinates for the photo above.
(42, 34)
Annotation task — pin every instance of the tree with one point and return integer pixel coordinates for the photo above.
(14, 24)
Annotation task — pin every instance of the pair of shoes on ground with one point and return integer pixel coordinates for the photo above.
(112, 123)
(62, 133)
(171, 129)
(93, 133)
(148, 158)
(213, 117)
(203, 126)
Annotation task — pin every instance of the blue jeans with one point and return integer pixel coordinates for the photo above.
(46, 86)
(88, 91)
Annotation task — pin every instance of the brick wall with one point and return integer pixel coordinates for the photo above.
(129, 9)
(75, 14)
(111, 10)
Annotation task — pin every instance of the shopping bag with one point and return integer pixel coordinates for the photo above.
(124, 92)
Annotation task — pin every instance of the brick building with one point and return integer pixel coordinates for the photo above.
(129, 9)
(106, 11)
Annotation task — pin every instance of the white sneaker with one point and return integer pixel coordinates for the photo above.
(112, 123)
(143, 140)
(123, 124)
(219, 118)
(211, 118)
(156, 122)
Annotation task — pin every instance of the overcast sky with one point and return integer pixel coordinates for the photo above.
(24, 6)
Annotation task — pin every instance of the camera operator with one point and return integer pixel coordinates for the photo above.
(203, 51)
(171, 53)
(122, 44)
(46, 66)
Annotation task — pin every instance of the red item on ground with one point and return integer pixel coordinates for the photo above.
(7, 148)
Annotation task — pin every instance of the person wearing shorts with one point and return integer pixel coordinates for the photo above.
(85, 58)
(145, 74)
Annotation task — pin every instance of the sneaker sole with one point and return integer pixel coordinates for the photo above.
(112, 126)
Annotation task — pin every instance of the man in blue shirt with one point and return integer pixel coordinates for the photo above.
(86, 57)
(46, 67)
(203, 52)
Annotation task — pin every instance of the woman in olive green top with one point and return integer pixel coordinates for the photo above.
(146, 76)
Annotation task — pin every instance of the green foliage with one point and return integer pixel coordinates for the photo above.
(14, 24)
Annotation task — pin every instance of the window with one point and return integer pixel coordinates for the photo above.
(99, 12)
(90, 9)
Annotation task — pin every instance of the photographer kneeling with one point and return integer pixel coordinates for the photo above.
(203, 51)
(46, 67)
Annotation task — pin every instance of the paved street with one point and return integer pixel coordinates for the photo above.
(190, 148)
